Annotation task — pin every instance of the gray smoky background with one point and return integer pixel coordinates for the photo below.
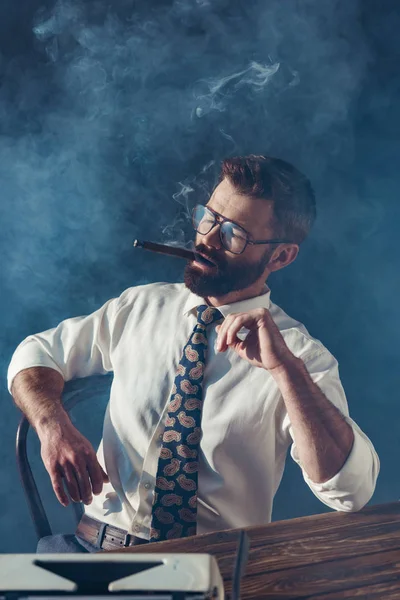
(114, 118)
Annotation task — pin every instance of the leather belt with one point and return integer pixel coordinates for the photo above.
(106, 537)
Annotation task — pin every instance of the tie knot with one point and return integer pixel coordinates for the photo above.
(206, 315)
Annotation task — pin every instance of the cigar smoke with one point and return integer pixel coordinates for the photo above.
(164, 249)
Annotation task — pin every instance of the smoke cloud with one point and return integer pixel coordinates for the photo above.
(123, 105)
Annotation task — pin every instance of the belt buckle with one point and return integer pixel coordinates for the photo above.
(100, 536)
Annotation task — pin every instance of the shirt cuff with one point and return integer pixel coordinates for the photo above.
(29, 355)
(352, 487)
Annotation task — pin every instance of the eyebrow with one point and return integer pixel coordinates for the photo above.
(226, 219)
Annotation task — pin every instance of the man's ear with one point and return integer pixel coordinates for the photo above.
(283, 256)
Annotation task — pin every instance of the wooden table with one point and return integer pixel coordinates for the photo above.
(323, 557)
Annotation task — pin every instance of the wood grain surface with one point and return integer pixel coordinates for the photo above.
(323, 557)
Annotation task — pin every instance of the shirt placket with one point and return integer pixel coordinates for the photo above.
(141, 521)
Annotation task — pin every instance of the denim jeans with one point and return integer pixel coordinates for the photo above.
(64, 543)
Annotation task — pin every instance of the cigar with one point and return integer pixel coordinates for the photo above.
(164, 249)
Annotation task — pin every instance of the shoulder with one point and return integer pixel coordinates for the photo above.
(297, 337)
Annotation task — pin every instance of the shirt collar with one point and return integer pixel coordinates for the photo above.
(261, 301)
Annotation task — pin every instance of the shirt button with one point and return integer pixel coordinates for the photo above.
(147, 485)
(137, 528)
(160, 437)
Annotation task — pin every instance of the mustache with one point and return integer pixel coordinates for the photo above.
(212, 256)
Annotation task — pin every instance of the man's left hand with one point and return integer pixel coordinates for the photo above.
(264, 345)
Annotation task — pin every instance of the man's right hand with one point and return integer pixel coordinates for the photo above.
(69, 458)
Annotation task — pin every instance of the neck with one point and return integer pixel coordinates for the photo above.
(237, 296)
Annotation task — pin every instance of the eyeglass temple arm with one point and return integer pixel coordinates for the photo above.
(257, 242)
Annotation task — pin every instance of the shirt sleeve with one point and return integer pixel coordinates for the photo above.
(77, 347)
(352, 487)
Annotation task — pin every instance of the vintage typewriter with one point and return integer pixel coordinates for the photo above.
(104, 575)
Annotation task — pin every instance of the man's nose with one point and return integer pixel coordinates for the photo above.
(212, 238)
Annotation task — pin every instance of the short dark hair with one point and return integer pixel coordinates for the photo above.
(277, 180)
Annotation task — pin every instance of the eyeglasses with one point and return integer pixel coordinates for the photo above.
(233, 237)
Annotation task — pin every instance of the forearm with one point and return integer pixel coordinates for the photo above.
(67, 455)
(37, 393)
(323, 437)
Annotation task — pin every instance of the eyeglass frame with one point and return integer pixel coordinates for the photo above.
(220, 220)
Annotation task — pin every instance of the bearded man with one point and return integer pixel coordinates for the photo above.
(213, 383)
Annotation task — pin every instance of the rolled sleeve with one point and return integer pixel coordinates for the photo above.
(352, 487)
(77, 347)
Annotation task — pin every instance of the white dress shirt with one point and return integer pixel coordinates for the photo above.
(246, 430)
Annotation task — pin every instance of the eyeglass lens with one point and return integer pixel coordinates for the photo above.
(233, 237)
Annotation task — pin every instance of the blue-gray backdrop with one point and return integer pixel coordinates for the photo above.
(113, 120)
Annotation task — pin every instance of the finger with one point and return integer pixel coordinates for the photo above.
(96, 475)
(82, 477)
(223, 328)
(106, 478)
(234, 325)
(71, 482)
(234, 328)
(259, 318)
(56, 482)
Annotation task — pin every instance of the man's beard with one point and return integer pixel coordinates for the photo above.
(225, 277)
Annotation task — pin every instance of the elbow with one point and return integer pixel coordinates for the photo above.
(360, 498)
(354, 504)
(351, 494)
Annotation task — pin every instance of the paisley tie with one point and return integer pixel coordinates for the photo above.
(174, 511)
